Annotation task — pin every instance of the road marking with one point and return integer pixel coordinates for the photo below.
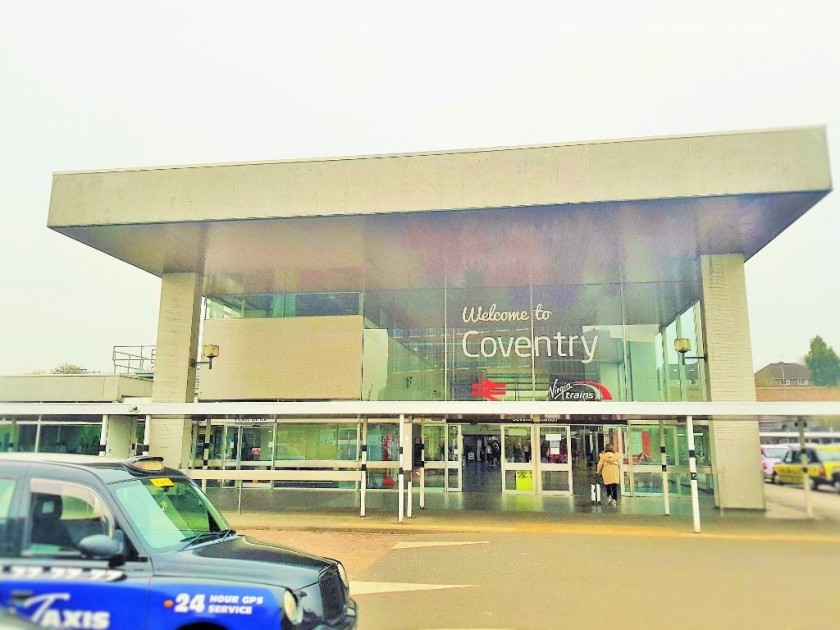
(373, 588)
(440, 543)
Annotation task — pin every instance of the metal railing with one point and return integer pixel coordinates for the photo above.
(137, 360)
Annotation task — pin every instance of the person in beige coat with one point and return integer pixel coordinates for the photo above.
(609, 471)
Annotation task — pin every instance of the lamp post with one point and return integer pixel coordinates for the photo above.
(683, 345)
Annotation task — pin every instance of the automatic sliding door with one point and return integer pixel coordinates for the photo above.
(517, 460)
(442, 447)
(555, 465)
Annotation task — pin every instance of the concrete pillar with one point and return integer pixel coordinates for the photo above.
(119, 436)
(735, 445)
(177, 344)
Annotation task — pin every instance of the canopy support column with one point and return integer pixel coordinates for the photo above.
(401, 476)
(665, 496)
(803, 459)
(363, 486)
(692, 470)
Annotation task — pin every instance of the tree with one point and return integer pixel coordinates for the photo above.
(823, 363)
(68, 368)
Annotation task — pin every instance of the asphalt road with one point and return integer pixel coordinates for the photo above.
(558, 580)
(790, 500)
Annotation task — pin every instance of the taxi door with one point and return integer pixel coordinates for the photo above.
(47, 578)
(789, 470)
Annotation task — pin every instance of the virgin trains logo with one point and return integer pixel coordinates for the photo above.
(567, 389)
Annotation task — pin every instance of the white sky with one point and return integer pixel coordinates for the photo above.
(109, 84)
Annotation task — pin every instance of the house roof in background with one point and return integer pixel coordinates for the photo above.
(782, 370)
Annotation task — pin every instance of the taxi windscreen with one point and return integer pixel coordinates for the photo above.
(169, 512)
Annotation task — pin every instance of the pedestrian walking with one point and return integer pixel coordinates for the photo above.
(609, 471)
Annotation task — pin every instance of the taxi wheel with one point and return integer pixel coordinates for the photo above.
(776, 481)
(815, 484)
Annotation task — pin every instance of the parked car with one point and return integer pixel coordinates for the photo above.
(87, 542)
(772, 454)
(823, 466)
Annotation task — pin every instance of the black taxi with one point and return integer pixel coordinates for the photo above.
(92, 543)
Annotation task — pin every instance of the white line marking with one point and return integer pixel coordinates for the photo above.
(441, 543)
(372, 588)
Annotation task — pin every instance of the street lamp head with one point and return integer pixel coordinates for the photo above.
(209, 351)
(682, 345)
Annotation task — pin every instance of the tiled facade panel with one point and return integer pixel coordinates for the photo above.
(735, 445)
(298, 358)
(177, 342)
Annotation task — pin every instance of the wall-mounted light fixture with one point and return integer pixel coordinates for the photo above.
(683, 345)
(209, 351)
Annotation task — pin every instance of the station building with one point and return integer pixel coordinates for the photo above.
(563, 273)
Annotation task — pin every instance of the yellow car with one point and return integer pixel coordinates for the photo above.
(823, 466)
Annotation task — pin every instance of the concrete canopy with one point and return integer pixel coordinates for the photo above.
(633, 210)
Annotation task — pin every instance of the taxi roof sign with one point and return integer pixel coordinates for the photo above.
(145, 463)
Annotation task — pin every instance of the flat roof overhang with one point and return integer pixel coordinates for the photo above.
(643, 205)
(563, 412)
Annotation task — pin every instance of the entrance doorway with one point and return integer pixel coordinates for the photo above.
(524, 458)
(588, 442)
(483, 458)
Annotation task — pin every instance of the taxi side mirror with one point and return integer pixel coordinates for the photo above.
(102, 547)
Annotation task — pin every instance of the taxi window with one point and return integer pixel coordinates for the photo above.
(61, 514)
(832, 455)
(168, 512)
(7, 490)
(775, 451)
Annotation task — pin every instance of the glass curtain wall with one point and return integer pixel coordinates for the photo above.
(542, 303)
(53, 434)
(578, 342)
(533, 342)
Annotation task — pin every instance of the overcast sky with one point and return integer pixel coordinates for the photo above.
(90, 85)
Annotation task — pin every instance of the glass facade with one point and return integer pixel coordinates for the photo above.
(282, 305)
(559, 303)
(239, 444)
(54, 434)
(642, 459)
(573, 342)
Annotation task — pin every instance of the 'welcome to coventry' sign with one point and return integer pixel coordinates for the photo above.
(523, 346)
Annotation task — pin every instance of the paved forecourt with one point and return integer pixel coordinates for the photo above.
(557, 578)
